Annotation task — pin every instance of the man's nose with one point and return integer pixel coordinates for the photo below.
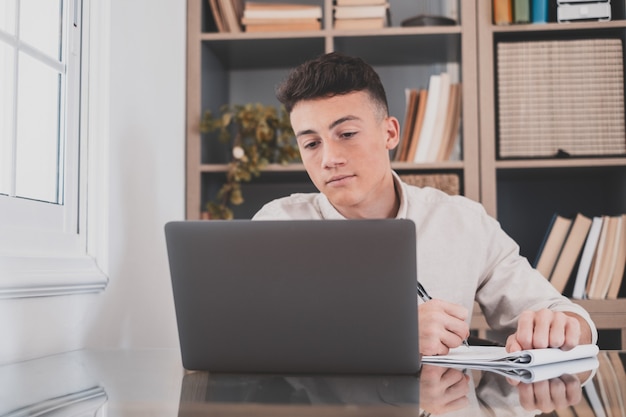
(332, 154)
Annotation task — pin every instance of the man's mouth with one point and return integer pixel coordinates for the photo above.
(339, 179)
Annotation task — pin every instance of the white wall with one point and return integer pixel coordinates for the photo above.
(147, 114)
(146, 172)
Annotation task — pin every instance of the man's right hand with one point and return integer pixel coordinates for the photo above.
(442, 389)
(441, 326)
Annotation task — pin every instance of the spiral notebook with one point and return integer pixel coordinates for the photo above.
(530, 365)
(498, 356)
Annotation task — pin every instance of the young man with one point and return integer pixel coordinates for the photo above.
(339, 113)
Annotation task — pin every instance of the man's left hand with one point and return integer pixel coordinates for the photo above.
(546, 328)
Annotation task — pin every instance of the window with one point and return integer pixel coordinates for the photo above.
(44, 157)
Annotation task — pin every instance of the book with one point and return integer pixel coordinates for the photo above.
(231, 16)
(430, 117)
(256, 10)
(521, 11)
(569, 253)
(453, 122)
(497, 356)
(273, 21)
(595, 10)
(238, 6)
(359, 2)
(220, 24)
(620, 264)
(586, 258)
(609, 262)
(594, 271)
(539, 11)
(412, 100)
(361, 12)
(368, 23)
(605, 259)
(502, 12)
(440, 119)
(614, 268)
(270, 6)
(283, 27)
(419, 122)
(551, 246)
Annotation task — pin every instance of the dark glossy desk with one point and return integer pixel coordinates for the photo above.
(104, 383)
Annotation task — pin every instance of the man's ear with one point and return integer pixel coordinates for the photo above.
(392, 129)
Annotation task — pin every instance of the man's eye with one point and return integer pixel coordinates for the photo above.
(347, 135)
(311, 145)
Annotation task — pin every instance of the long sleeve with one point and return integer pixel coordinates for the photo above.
(463, 255)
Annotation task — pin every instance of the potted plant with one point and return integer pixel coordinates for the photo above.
(260, 135)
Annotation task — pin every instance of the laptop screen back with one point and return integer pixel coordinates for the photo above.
(305, 296)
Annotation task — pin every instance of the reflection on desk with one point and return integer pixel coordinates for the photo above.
(280, 389)
(142, 383)
(438, 390)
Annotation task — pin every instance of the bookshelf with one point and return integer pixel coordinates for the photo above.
(521, 193)
(238, 68)
(524, 193)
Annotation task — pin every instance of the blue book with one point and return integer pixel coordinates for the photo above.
(539, 11)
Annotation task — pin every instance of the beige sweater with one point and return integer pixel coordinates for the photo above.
(462, 254)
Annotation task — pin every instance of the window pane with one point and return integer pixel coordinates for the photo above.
(6, 116)
(37, 154)
(40, 25)
(7, 16)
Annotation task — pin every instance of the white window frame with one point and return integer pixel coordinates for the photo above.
(37, 260)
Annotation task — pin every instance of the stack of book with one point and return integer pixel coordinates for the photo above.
(431, 123)
(278, 17)
(560, 98)
(361, 14)
(585, 257)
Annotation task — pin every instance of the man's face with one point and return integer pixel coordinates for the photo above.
(344, 142)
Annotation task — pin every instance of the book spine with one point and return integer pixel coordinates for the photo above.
(502, 12)
(539, 11)
(521, 11)
(430, 115)
(584, 266)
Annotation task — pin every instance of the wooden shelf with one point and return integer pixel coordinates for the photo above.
(524, 193)
(244, 67)
(234, 68)
(558, 27)
(389, 31)
(562, 163)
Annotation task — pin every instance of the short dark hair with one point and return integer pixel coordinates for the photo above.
(329, 75)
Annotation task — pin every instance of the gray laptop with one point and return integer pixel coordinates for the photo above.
(304, 296)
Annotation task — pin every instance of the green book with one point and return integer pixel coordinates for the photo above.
(521, 11)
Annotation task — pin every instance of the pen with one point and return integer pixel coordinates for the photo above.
(421, 292)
